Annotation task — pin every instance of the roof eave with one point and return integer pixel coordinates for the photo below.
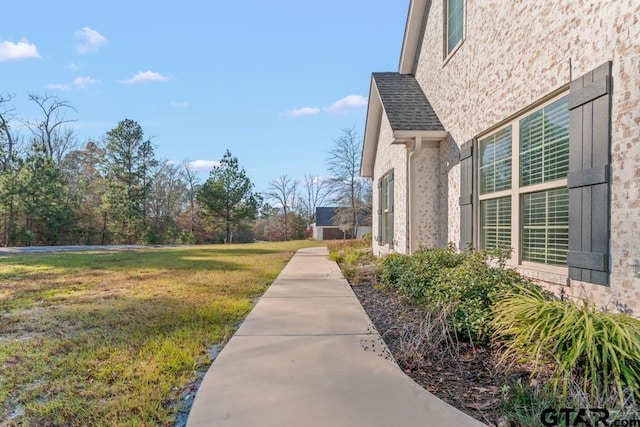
(403, 136)
(412, 33)
(371, 131)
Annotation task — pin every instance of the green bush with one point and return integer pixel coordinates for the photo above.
(352, 255)
(393, 266)
(600, 350)
(414, 275)
(462, 282)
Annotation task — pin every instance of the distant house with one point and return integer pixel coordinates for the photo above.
(326, 228)
(515, 124)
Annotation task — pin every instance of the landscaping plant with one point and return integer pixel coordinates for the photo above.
(600, 350)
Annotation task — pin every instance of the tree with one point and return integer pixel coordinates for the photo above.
(316, 192)
(350, 189)
(51, 132)
(42, 190)
(227, 195)
(192, 183)
(9, 163)
(129, 163)
(283, 191)
(166, 202)
(86, 188)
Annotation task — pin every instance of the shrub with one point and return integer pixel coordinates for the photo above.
(393, 266)
(462, 282)
(414, 275)
(600, 350)
(352, 255)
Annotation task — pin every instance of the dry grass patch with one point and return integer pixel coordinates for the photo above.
(110, 338)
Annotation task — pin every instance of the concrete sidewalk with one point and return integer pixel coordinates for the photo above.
(307, 355)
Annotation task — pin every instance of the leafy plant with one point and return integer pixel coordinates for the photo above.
(466, 283)
(601, 350)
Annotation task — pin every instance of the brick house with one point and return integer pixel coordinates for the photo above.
(515, 124)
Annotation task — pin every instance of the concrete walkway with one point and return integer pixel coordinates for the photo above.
(307, 355)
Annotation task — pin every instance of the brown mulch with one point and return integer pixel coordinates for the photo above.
(463, 375)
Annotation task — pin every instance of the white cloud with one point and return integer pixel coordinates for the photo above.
(78, 83)
(342, 106)
(203, 165)
(304, 111)
(60, 87)
(198, 165)
(145, 76)
(10, 51)
(181, 104)
(73, 66)
(92, 40)
(84, 82)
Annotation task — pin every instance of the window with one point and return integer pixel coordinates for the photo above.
(524, 201)
(454, 25)
(385, 210)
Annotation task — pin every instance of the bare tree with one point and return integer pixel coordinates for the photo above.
(344, 166)
(283, 191)
(51, 131)
(316, 190)
(7, 136)
(192, 183)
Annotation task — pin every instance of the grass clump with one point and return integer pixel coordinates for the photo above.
(599, 351)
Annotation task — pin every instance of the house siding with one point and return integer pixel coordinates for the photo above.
(389, 156)
(426, 212)
(516, 53)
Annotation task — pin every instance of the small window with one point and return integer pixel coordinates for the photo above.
(454, 24)
(387, 213)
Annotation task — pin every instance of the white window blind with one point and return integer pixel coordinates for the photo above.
(495, 162)
(545, 226)
(544, 144)
(495, 215)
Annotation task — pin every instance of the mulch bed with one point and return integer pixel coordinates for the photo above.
(463, 375)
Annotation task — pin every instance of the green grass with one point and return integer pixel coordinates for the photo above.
(111, 338)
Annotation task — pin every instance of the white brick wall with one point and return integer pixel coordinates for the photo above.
(514, 54)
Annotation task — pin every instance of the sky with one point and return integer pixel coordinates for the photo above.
(274, 82)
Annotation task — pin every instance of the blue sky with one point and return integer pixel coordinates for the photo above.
(274, 82)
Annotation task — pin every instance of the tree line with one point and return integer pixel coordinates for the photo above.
(54, 191)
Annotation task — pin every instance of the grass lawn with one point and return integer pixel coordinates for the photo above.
(110, 338)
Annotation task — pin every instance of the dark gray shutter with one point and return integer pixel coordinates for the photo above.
(391, 217)
(380, 213)
(467, 194)
(588, 180)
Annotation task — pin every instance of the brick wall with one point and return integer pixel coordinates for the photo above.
(516, 53)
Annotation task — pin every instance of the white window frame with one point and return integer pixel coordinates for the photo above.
(516, 192)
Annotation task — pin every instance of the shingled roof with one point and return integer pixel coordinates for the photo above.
(405, 105)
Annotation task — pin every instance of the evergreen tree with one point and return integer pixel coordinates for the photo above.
(227, 196)
(129, 164)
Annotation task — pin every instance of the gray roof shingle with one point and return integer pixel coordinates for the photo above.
(405, 103)
(325, 215)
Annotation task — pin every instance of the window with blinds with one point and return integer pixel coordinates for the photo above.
(544, 144)
(545, 226)
(495, 162)
(495, 227)
(523, 192)
(455, 24)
